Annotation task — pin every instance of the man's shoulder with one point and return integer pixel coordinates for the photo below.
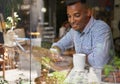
(100, 25)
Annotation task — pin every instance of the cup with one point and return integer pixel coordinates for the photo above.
(79, 61)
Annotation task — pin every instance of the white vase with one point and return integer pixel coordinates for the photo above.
(9, 38)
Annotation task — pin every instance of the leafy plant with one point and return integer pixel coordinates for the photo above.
(116, 62)
(114, 65)
(12, 21)
(108, 69)
(46, 59)
(60, 76)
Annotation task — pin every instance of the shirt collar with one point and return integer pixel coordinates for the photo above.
(89, 25)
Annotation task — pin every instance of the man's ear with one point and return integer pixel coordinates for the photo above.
(89, 12)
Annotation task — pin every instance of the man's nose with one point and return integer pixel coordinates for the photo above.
(72, 20)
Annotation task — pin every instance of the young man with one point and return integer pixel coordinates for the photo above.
(88, 36)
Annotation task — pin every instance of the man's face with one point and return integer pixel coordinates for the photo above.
(78, 16)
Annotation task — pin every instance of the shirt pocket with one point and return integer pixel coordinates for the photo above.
(86, 47)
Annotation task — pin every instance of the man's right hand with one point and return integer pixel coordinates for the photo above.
(56, 57)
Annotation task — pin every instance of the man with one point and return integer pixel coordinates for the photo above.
(89, 36)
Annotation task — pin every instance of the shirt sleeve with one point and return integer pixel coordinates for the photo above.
(65, 42)
(102, 46)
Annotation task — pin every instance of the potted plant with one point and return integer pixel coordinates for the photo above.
(12, 21)
(111, 72)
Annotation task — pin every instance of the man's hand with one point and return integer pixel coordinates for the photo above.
(56, 55)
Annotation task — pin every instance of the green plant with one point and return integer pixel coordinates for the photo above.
(108, 69)
(60, 76)
(12, 20)
(111, 67)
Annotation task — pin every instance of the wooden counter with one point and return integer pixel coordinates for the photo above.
(38, 53)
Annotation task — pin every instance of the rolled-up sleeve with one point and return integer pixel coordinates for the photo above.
(65, 42)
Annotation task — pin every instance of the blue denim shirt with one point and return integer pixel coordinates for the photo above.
(95, 41)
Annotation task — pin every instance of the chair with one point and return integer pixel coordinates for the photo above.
(2, 62)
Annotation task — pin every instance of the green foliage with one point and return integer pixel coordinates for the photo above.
(12, 21)
(60, 76)
(46, 59)
(108, 69)
(115, 64)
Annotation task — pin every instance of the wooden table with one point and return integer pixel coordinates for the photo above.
(39, 52)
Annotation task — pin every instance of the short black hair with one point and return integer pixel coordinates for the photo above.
(70, 2)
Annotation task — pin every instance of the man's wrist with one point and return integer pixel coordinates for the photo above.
(57, 48)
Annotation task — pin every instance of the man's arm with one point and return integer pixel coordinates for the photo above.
(65, 42)
(102, 47)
